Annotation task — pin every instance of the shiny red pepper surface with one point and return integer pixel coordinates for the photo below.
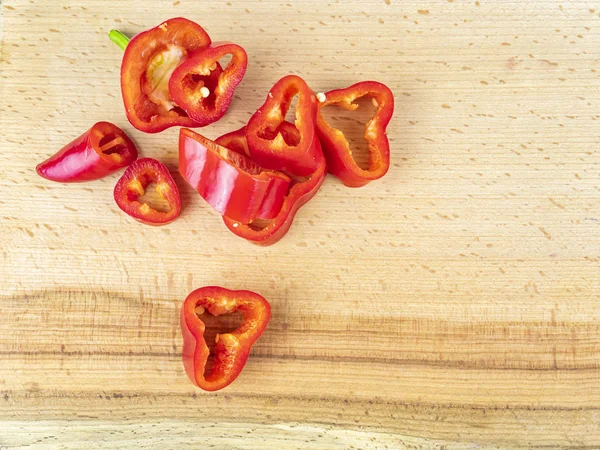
(133, 184)
(98, 152)
(232, 349)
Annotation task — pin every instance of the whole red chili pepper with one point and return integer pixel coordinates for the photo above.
(133, 184)
(232, 349)
(194, 87)
(230, 182)
(99, 151)
(335, 145)
(269, 147)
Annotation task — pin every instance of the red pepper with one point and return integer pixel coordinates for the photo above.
(99, 151)
(269, 232)
(230, 182)
(150, 59)
(232, 349)
(195, 88)
(335, 145)
(133, 184)
(268, 146)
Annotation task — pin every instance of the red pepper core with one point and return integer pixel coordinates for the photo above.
(335, 145)
(232, 349)
(99, 151)
(269, 147)
(230, 182)
(203, 92)
(149, 60)
(133, 184)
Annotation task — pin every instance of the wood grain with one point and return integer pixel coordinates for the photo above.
(452, 304)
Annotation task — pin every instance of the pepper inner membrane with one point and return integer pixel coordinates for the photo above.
(269, 132)
(152, 195)
(205, 77)
(158, 73)
(112, 144)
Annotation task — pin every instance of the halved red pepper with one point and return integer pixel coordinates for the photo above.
(268, 146)
(263, 232)
(230, 182)
(133, 184)
(99, 151)
(149, 60)
(232, 349)
(194, 87)
(335, 145)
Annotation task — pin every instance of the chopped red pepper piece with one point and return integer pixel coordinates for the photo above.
(268, 146)
(150, 59)
(133, 184)
(232, 349)
(335, 145)
(269, 232)
(99, 151)
(195, 88)
(230, 182)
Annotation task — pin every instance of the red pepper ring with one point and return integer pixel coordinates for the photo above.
(232, 349)
(133, 184)
(230, 182)
(99, 151)
(335, 145)
(268, 146)
(195, 88)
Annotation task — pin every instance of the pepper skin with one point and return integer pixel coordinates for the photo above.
(195, 88)
(232, 349)
(335, 145)
(268, 233)
(230, 182)
(133, 184)
(268, 147)
(149, 60)
(99, 151)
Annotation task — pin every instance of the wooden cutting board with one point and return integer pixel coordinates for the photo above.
(452, 304)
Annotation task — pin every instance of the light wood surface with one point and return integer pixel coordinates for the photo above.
(452, 304)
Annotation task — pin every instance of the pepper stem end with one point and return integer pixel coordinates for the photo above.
(118, 38)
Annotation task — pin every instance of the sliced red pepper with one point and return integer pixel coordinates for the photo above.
(268, 146)
(232, 349)
(194, 87)
(99, 151)
(133, 184)
(269, 232)
(230, 182)
(149, 60)
(335, 145)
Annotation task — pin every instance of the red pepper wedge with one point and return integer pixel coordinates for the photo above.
(335, 145)
(149, 60)
(302, 190)
(232, 349)
(100, 151)
(230, 182)
(194, 87)
(269, 147)
(133, 184)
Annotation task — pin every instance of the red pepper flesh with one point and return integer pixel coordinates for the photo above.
(335, 145)
(230, 182)
(195, 88)
(101, 150)
(269, 147)
(133, 184)
(149, 60)
(232, 349)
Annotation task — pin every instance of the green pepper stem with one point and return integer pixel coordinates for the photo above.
(118, 38)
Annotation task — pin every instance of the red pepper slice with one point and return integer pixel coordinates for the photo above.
(230, 182)
(133, 184)
(195, 88)
(335, 145)
(269, 147)
(99, 151)
(269, 232)
(149, 60)
(232, 349)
